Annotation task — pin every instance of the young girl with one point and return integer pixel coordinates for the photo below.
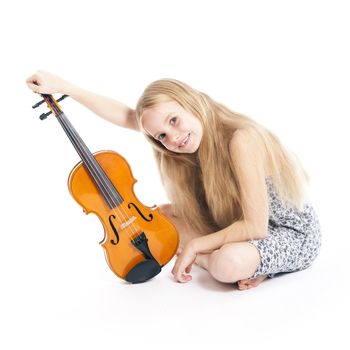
(237, 195)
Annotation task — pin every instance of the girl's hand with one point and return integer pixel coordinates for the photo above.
(183, 264)
(44, 82)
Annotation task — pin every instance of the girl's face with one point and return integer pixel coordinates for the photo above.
(178, 130)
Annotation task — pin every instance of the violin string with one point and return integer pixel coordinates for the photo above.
(84, 158)
(81, 148)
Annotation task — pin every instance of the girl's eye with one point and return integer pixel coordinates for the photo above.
(171, 121)
(161, 136)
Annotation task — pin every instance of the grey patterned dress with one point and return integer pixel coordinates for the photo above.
(293, 240)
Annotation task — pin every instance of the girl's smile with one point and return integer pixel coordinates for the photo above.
(178, 130)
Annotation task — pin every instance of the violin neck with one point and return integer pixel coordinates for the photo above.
(103, 183)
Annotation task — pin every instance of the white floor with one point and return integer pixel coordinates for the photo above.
(63, 296)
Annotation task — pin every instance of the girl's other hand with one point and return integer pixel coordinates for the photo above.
(183, 264)
(43, 82)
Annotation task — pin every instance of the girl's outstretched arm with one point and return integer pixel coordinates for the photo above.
(105, 107)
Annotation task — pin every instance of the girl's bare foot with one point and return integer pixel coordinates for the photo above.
(250, 283)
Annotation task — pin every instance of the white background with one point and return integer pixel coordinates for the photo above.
(284, 63)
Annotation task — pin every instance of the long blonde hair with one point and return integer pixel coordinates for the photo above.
(202, 186)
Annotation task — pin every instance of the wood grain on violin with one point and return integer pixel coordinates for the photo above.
(138, 240)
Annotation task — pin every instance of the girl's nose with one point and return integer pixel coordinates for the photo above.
(176, 138)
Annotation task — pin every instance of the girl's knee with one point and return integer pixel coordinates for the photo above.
(233, 262)
(224, 265)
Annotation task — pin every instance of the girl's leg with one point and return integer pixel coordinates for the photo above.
(233, 262)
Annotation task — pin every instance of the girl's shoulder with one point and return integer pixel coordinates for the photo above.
(248, 142)
(247, 137)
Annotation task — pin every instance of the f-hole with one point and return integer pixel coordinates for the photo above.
(144, 218)
(114, 230)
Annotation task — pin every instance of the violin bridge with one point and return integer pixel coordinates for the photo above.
(125, 224)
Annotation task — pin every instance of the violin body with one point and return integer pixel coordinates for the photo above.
(131, 220)
(138, 240)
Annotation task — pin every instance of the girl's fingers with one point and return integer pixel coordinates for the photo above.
(34, 87)
(184, 278)
(188, 268)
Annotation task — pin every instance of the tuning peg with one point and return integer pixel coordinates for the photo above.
(62, 98)
(38, 104)
(44, 115)
(42, 101)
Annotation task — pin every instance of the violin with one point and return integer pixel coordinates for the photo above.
(138, 240)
